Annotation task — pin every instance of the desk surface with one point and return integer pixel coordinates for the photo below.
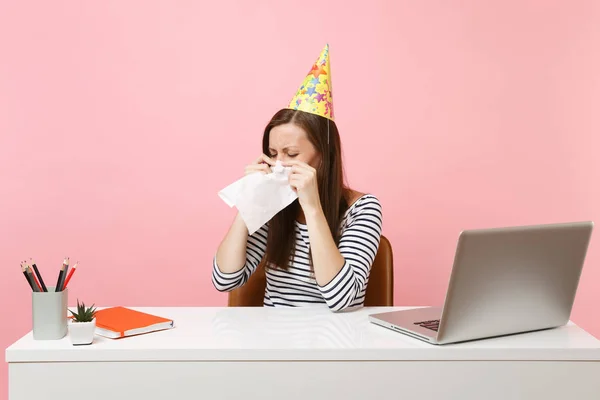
(314, 333)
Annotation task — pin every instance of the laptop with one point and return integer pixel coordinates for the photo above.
(504, 281)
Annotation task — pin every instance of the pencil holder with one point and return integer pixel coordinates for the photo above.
(49, 312)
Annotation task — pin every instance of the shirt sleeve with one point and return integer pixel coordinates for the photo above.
(256, 246)
(358, 245)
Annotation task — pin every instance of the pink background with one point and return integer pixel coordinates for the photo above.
(120, 121)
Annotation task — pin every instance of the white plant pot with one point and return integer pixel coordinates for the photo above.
(82, 333)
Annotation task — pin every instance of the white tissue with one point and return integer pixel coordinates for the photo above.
(258, 197)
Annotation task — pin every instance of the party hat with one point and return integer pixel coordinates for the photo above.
(314, 96)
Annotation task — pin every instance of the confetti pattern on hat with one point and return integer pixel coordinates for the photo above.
(314, 96)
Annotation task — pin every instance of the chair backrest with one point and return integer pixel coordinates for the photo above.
(380, 290)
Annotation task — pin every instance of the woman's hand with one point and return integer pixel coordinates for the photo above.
(262, 164)
(303, 179)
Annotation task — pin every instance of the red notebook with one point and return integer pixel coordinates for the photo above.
(118, 322)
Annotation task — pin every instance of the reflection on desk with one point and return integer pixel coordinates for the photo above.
(307, 327)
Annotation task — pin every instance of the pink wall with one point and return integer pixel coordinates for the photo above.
(120, 122)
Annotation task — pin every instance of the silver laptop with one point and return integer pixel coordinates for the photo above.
(504, 281)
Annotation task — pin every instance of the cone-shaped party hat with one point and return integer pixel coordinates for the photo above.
(314, 95)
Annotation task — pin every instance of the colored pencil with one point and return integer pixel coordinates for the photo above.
(59, 288)
(61, 275)
(36, 288)
(37, 283)
(27, 277)
(70, 275)
(39, 276)
(35, 279)
(62, 284)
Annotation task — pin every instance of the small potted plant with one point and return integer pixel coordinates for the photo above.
(82, 325)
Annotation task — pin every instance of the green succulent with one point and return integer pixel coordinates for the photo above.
(83, 314)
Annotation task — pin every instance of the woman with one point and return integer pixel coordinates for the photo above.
(319, 249)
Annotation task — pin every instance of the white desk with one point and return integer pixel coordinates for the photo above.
(264, 353)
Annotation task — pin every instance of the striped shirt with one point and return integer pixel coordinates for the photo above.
(361, 228)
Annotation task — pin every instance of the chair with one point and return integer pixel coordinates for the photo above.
(380, 290)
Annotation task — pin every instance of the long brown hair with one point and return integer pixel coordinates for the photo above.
(330, 178)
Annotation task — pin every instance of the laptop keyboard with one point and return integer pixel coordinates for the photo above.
(432, 324)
